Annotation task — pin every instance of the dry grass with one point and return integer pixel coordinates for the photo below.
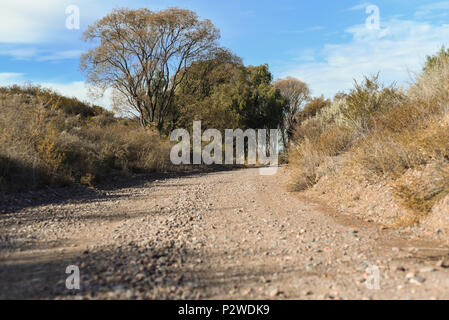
(389, 133)
(421, 190)
(309, 157)
(46, 139)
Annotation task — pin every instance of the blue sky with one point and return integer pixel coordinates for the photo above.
(324, 43)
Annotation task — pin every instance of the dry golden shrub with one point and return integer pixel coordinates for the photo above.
(46, 139)
(422, 189)
(386, 132)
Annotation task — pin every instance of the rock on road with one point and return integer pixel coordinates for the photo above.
(221, 235)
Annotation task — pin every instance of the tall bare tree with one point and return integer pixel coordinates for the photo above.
(141, 54)
(296, 93)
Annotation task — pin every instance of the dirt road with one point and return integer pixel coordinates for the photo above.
(229, 234)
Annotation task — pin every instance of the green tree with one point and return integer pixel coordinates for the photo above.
(203, 94)
(224, 94)
(264, 105)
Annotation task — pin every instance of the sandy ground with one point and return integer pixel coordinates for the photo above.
(221, 235)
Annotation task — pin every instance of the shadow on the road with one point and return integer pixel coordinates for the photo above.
(14, 202)
(157, 271)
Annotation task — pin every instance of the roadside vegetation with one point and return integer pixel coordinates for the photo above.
(165, 69)
(47, 140)
(378, 133)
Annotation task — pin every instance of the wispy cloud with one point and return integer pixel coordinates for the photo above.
(433, 9)
(360, 6)
(44, 21)
(60, 55)
(7, 78)
(80, 90)
(77, 89)
(18, 52)
(399, 48)
(27, 21)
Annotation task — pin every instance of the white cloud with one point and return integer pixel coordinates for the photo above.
(28, 21)
(60, 55)
(44, 21)
(19, 53)
(29, 27)
(361, 6)
(429, 9)
(30, 53)
(77, 89)
(7, 78)
(395, 51)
